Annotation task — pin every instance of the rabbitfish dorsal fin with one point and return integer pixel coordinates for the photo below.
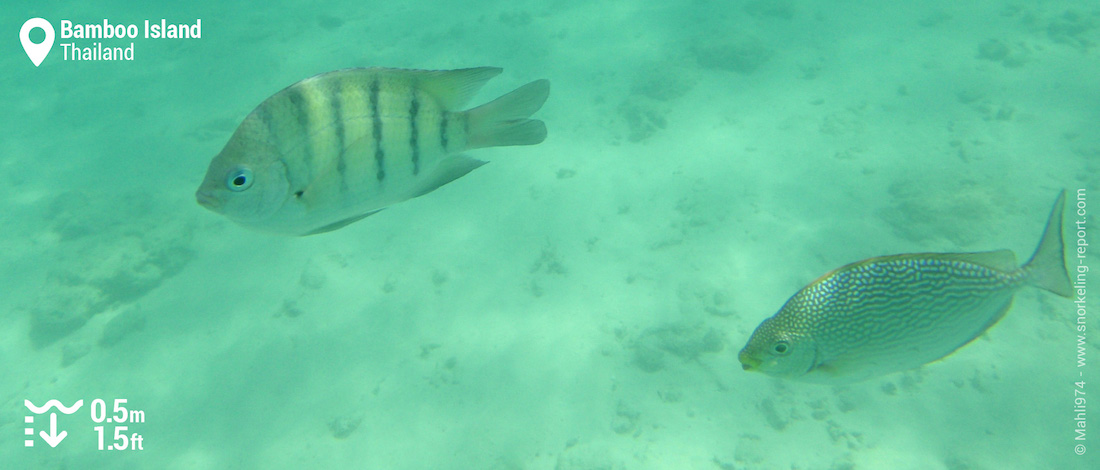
(454, 88)
(1000, 260)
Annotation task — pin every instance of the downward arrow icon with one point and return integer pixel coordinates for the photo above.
(53, 438)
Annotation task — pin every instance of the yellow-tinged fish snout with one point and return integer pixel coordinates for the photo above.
(748, 362)
(775, 350)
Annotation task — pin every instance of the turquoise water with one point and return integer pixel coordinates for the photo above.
(578, 304)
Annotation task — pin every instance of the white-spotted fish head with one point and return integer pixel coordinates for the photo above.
(246, 182)
(779, 348)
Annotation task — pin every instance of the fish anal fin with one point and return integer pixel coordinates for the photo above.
(983, 330)
(450, 169)
(341, 223)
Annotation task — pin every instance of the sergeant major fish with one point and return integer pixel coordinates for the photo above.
(894, 313)
(337, 147)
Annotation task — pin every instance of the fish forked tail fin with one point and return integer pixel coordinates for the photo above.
(503, 121)
(1047, 267)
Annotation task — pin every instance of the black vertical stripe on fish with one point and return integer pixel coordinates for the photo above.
(263, 113)
(443, 131)
(299, 101)
(414, 133)
(341, 146)
(376, 118)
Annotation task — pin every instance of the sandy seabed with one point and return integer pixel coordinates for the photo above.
(573, 305)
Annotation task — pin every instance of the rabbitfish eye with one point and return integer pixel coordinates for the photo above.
(781, 348)
(239, 179)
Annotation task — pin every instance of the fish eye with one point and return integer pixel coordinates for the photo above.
(239, 179)
(781, 348)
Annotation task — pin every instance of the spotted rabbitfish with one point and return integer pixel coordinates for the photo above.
(337, 147)
(895, 313)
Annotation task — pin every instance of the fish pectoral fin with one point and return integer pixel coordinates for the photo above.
(360, 148)
(450, 169)
(341, 223)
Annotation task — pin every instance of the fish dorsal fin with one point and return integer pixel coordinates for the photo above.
(450, 169)
(454, 88)
(1000, 260)
(341, 223)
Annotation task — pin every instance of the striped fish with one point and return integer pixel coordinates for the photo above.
(894, 313)
(337, 147)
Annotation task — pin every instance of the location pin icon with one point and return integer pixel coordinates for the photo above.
(37, 52)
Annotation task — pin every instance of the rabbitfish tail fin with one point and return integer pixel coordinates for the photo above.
(503, 121)
(1047, 267)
